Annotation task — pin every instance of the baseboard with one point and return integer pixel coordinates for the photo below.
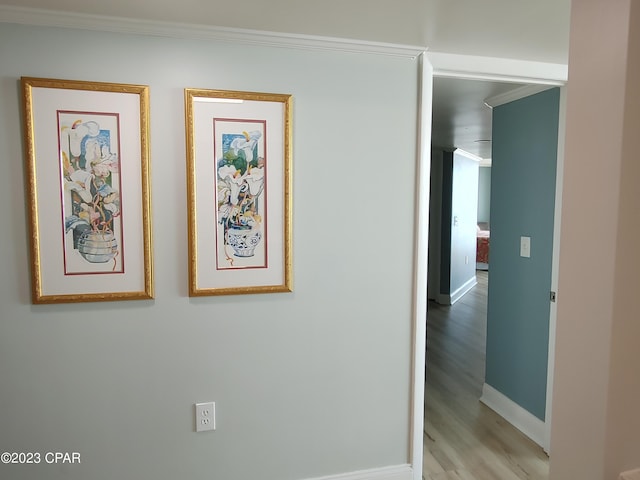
(459, 293)
(397, 472)
(444, 299)
(526, 422)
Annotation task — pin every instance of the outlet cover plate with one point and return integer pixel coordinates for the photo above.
(205, 416)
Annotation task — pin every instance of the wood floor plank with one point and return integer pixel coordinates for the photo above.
(464, 439)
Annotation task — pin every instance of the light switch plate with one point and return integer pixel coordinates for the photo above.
(525, 247)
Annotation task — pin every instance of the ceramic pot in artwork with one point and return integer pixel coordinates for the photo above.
(97, 247)
(243, 241)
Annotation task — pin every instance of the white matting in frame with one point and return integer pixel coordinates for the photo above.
(87, 154)
(239, 189)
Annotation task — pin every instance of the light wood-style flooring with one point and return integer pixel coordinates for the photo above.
(463, 438)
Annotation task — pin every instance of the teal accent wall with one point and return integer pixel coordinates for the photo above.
(523, 173)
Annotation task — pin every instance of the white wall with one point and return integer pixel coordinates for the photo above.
(484, 194)
(464, 219)
(435, 223)
(596, 419)
(311, 383)
(623, 415)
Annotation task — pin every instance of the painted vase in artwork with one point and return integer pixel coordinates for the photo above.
(243, 241)
(98, 247)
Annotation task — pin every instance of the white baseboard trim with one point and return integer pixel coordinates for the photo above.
(526, 422)
(459, 293)
(444, 299)
(397, 472)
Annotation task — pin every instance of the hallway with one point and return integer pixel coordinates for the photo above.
(464, 439)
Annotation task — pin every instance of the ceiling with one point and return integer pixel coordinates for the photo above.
(461, 119)
(527, 30)
(534, 31)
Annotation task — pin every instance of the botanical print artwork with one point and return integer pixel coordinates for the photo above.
(239, 147)
(90, 185)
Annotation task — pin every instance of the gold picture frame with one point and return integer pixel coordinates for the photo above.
(239, 159)
(87, 184)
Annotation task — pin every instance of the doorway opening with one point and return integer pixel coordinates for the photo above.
(465, 304)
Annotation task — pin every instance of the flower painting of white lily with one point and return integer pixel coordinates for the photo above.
(90, 178)
(241, 173)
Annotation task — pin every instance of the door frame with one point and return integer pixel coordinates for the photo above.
(475, 68)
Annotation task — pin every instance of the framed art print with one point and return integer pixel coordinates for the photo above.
(239, 191)
(87, 155)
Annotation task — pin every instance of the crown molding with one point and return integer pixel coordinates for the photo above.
(468, 155)
(515, 94)
(53, 18)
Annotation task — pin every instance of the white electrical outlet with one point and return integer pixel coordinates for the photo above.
(205, 416)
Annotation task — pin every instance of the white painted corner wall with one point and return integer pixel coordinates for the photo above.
(299, 379)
